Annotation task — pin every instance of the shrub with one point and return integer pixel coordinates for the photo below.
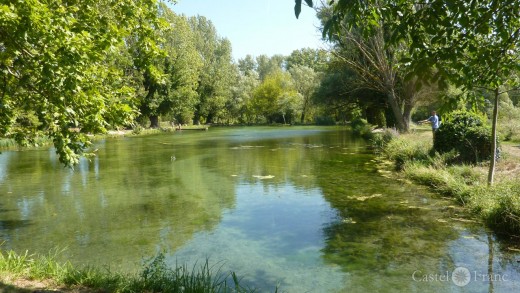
(380, 139)
(499, 206)
(137, 129)
(362, 128)
(508, 125)
(467, 133)
(406, 149)
(325, 120)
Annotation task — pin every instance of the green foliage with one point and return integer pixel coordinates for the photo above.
(37, 267)
(440, 180)
(497, 205)
(376, 116)
(247, 65)
(335, 95)
(454, 98)
(509, 126)
(405, 149)
(298, 6)
(53, 67)
(362, 128)
(325, 120)
(467, 133)
(381, 139)
(238, 106)
(317, 59)
(218, 73)
(268, 65)
(158, 277)
(472, 45)
(475, 48)
(275, 97)
(174, 92)
(377, 78)
(306, 81)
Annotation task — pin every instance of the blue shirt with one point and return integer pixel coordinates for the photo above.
(435, 121)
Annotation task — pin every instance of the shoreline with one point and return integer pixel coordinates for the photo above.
(408, 156)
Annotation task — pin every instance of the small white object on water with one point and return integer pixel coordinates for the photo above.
(349, 221)
(263, 177)
(173, 158)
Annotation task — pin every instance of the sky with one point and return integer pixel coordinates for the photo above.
(257, 26)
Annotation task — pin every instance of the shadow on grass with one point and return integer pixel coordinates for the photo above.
(16, 288)
(6, 288)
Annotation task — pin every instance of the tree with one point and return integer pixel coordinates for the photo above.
(339, 91)
(247, 65)
(267, 65)
(367, 51)
(52, 67)
(474, 44)
(218, 72)
(317, 59)
(334, 92)
(175, 91)
(274, 98)
(306, 81)
(238, 106)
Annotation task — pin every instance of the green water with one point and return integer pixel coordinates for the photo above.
(301, 207)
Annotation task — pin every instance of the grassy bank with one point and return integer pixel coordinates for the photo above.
(10, 144)
(33, 273)
(498, 205)
(43, 141)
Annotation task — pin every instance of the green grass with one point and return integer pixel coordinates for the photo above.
(497, 205)
(155, 276)
(6, 143)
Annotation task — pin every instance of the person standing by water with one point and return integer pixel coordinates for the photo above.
(434, 120)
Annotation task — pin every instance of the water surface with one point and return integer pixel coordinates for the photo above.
(300, 207)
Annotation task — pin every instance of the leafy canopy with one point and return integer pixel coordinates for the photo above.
(55, 81)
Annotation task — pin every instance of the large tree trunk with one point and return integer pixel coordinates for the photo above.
(154, 121)
(491, 173)
(407, 114)
(400, 120)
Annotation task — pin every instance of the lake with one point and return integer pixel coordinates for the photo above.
(304, 208)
